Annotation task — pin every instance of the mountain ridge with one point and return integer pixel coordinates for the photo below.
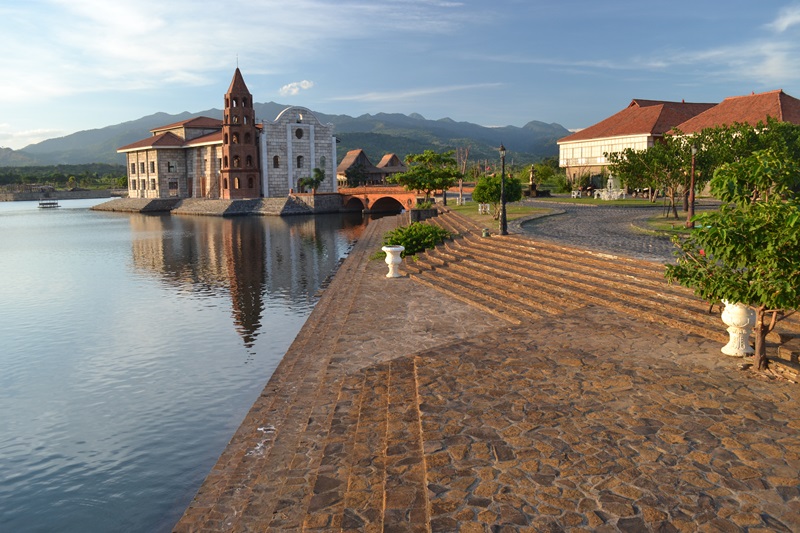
(377, 134)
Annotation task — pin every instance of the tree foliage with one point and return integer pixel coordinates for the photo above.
(749, 250)
(356, 175)
(428, 172)
(487, 191)
(314, 181)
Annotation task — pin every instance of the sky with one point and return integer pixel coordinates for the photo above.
(73, 65)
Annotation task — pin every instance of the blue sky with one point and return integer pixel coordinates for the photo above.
(71, 65)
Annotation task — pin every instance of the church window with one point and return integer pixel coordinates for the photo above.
(227, 102)
(276, 162)
(234, 102)
(249, 161)
(235, 138)
(299, 161)
(298, 133)
(225, 162)
(225, 183)
(236, 162)
(235, 119)
(244, 102)
(225, 139)
(235, 183)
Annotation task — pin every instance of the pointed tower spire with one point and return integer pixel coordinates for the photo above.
(240, 162)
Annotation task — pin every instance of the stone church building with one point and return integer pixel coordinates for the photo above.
(233, 158)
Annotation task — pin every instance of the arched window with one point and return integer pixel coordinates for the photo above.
(248, 161)
(235, 138)
(244, 102)
(235, 183)
(225, 139)
(225, 162)
(235, 119)
(276, 162)
(227, 102)
(299, 161)
(225, 183)
(245, 119)
(234, 102)
(236, 161)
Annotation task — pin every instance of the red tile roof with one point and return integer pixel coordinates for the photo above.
(162, 140)
(750, 109)
(196, 122)
(652, 117)
(211, 138)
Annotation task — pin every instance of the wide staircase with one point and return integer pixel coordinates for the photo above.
(522, 279)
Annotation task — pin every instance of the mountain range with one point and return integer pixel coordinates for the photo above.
(376, 134)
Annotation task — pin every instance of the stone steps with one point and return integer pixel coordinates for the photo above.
(549, 282)
(557, 277)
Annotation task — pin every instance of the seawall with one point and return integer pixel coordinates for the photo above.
(31, 196)
(295, 204)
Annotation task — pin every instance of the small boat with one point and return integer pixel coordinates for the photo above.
(48, 203)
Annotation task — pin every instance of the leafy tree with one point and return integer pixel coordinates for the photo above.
(356, 175)
(313, 182)
(487, 191)
(749, 250)
(428, 172)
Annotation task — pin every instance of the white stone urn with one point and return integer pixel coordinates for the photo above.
(393, 259)
(740, 319)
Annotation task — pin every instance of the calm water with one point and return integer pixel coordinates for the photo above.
(132, 346)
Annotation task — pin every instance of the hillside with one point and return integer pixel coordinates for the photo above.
(376, 134)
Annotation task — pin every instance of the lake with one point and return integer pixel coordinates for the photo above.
(132, 346)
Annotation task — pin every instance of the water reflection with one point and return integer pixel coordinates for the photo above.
(256, 261)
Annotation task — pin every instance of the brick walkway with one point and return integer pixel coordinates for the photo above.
(421, 404)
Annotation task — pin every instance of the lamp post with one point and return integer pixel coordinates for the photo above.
(690, 210)
(503, 222)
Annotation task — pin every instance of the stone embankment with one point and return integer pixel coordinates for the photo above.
(509, 384)
(301, 204)
(31, 196)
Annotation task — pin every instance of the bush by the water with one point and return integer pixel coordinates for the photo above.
(416, 237)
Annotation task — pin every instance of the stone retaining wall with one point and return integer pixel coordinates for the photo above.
(302, 204)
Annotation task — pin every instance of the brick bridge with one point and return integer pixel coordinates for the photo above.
(376, 199)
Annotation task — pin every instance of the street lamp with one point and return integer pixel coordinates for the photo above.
(503, 222)
(690, 211)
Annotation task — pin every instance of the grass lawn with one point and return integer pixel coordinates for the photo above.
(513, 211)
(629, 202)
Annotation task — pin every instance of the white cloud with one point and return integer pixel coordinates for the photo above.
(295, 87)
(788, 17)
(19, 139)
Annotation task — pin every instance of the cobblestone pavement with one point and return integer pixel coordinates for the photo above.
(607, 229)
(401, 409)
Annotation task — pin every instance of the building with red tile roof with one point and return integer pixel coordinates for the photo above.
(233, 158)
(375, 174)
(637, 126)
(644, 122)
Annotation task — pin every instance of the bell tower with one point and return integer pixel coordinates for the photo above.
(240, 161)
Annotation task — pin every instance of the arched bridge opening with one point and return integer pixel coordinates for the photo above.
(387, 204)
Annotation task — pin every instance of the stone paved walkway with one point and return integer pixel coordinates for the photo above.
(400, 409)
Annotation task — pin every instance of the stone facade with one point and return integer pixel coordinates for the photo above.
(233, 158)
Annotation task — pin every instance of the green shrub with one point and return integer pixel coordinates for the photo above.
(416, 237)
